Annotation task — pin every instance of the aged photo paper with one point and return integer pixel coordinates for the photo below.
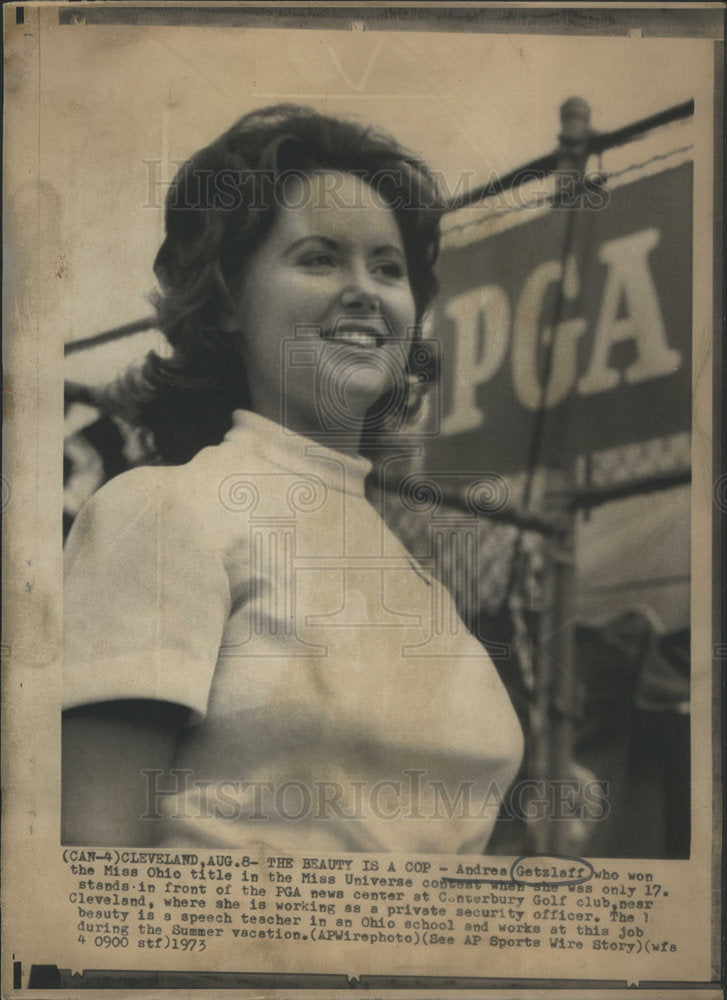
(389, 651)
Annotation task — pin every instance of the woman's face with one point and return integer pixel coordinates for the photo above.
(325, 308)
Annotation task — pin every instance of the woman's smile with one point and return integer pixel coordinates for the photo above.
(363, 333)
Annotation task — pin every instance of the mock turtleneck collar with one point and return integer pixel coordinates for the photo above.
(293, 452)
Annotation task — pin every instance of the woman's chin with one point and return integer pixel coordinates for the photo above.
(355, 390)
(357, 398)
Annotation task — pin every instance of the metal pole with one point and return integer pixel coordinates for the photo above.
(557, 663)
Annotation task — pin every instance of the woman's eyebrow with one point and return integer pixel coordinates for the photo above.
(325, 240)
(388, 248)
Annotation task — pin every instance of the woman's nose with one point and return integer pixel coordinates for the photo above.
(357, 298)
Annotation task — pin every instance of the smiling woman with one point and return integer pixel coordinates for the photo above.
(248, 652)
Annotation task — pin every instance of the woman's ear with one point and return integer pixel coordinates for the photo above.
(416, 404)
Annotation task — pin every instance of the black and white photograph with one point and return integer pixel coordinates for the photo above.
(362, 489)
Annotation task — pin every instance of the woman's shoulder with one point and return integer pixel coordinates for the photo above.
(143, 483)
(148, 514)
(145, 491)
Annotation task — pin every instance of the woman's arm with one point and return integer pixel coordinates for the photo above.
(108, 795)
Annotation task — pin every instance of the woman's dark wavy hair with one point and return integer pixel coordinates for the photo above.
(218, 209)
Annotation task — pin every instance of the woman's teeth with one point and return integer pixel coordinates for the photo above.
(358, 337)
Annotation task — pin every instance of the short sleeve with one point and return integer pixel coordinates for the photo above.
(146, 596)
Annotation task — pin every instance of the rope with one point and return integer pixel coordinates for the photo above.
(657, 158)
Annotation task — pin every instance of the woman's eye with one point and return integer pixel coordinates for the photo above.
(391, 269)
(317, 260)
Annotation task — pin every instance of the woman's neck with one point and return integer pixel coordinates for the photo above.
(347, 440)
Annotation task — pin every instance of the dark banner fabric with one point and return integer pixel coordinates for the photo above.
(621, 352)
